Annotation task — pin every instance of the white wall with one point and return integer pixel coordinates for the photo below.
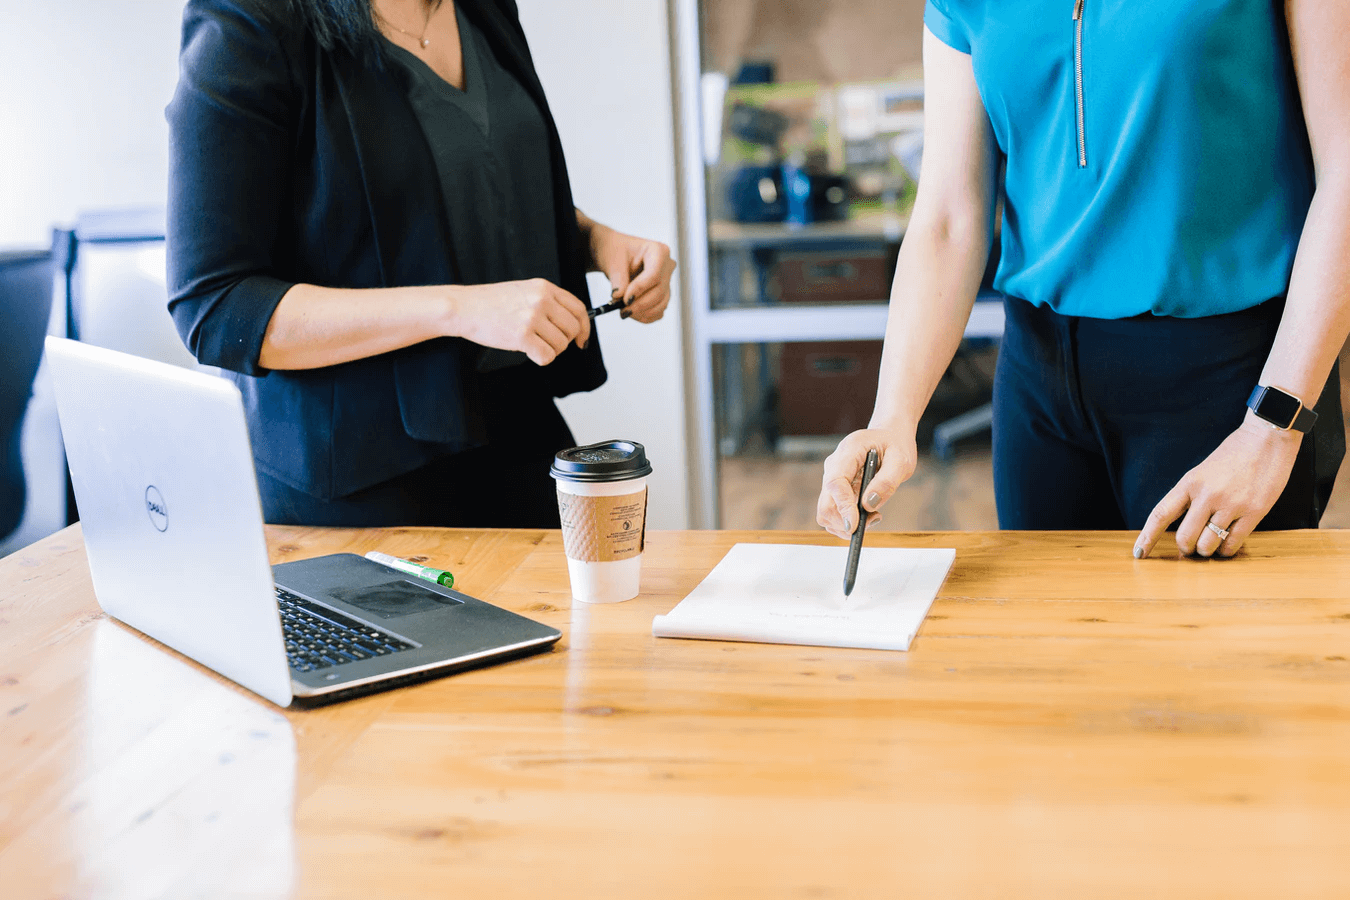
(606, 68)
(83, 85)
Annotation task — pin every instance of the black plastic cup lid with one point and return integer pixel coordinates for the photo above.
(605, 461)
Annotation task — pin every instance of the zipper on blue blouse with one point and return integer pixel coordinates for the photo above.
(1078, 81)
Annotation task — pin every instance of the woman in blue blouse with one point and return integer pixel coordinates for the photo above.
(1175, 258)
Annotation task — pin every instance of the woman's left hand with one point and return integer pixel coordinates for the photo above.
(1234, 488)
(638, 270)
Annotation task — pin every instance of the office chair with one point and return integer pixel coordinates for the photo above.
(26, 289)
(117, 295)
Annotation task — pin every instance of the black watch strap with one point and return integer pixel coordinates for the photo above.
(1281, 409)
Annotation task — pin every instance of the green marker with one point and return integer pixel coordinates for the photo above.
(435, 576)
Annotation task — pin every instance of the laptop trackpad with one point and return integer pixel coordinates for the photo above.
(393, 599)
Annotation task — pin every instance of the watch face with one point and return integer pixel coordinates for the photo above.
(1278, 407)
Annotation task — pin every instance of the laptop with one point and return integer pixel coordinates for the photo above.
(163, 475)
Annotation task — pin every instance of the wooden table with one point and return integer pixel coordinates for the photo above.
(1069, 723)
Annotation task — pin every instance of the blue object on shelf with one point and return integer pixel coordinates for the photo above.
(755, 194)
(797, 184)
(756, 71)
(814, 198)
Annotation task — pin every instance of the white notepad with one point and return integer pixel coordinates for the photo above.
(794, 594)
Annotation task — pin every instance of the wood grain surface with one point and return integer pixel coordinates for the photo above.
(1070, 722)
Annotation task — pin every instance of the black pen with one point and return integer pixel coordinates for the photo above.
(855, 545)
(608, 307)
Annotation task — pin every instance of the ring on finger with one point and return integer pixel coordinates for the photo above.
(1221, 532)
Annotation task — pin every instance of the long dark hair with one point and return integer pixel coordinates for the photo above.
(343, 24)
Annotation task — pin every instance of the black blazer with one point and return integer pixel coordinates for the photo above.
(291, 164)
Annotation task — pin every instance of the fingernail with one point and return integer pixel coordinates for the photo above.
(873, 499)
(1138, 552)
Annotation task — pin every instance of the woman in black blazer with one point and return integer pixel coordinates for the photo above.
(371, 229)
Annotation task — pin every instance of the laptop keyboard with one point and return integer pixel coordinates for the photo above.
(318, 637)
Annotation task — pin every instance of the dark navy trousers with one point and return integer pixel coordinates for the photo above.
(1096, 419)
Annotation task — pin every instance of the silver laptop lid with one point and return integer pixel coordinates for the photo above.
(163, 475)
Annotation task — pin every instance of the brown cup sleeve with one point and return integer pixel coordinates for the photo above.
(603, 529)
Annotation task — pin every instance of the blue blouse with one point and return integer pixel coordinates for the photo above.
(1157, 159)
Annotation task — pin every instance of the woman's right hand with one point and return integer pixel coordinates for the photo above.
(536, 317)
(837, 509)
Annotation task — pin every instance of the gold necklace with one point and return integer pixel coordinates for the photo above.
(422, 38)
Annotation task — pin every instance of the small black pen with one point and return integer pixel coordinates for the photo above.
(608, 307)
(855, 544)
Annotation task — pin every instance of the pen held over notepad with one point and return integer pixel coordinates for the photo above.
(855, 544)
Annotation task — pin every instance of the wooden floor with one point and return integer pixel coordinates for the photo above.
(768, 492)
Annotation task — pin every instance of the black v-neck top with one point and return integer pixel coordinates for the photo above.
(490, 144)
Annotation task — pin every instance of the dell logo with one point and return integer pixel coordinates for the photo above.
(155, 508)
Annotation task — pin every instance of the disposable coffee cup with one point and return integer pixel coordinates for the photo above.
(602, 500)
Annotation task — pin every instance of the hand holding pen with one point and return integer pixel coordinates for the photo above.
(608, 307)
(639, 271)
(837, 504)
(856, 542)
